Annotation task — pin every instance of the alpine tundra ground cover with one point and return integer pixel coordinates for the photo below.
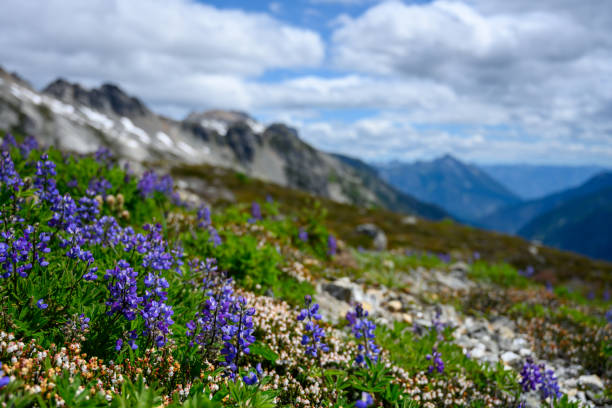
(116, 292)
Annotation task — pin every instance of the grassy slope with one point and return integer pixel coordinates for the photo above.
(428, 236)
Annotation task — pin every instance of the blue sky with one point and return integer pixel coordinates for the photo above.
(490, 81)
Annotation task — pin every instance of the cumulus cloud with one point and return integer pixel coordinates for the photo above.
(145, 42)
(489, 79)
(541, 67)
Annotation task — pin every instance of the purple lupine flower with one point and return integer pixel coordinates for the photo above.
(8, 175)
(8, 142)
(119, 344)
(531, 377)
(549, 386)
(250, 379)
(237, 335)
(365, 401)
(438, 325)
(41, 304)
(204, 217)
(606, 295)
(29, 143)
(476, 255)
(363, 328)
(123, 289)
(528, 272)
(147, 182)
(436, 359)
(165, 185)
(214, 237)
(332, 245)
(99, 185)
(44, 180)
(313, 334)
(103, 155)
(4, 380)
(446, 258)
(609, 315)
(549, 287)
(255, 212)
(303, 235)
(155, 312)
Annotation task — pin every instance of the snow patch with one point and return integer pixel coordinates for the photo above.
(60, 108)
(131, 143)
(164, 138)
(98, 120)
(135, 130)
(256, 127)
(24, 93)
(185, 147)
(216, 125)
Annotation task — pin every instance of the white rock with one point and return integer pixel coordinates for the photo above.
(524, 352)
(509, 357)
(478, 352)
(591, 382)
(395, 306)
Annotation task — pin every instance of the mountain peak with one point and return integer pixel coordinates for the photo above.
(109, 98)
(221, 120)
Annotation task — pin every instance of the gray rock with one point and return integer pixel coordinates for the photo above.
(339, 289)
(591, 382)
(374, 232)
(510, 358)
(460, 267)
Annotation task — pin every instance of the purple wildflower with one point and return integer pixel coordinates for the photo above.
(313, 334)
(303, 235)
(436, 359)
(365, 401)
(41, 304)
(4, 380)
(332, 245)
(363, 328)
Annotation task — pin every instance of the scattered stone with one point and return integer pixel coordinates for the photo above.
(460, 267)
(395, 306)
(374, 232)
(509, 357)
(341, 289)
(410, 220)
(406, 318)
(591, 382)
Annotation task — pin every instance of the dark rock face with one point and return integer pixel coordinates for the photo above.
(243, 141)
(107, 98)
(303, 163)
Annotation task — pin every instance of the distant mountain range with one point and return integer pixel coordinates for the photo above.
(77, 119)
(582, 224)
(576, 219)
(534, 181)
(462, 189)
(512, 218)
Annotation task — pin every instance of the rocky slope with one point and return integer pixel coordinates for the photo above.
(73, 118)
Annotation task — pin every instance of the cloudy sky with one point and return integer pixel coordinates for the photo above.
(485, 80)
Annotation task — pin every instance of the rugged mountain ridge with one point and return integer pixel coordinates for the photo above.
(581, 224)
(74, 118)
(462, 189)
(534, 181)
(512, 218)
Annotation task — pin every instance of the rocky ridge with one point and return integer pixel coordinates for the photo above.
(73, 118)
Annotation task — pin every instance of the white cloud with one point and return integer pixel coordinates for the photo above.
(140, 41)
(520, 79)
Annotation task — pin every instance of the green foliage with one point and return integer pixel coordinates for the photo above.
(500, 274)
